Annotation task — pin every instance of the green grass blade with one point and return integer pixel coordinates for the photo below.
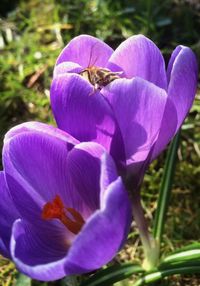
(158, 275)
(175, 264)
(183, 256)
(112, 275)
(165, 189)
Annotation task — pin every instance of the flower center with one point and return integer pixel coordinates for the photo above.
(99, 77)
(71, 218)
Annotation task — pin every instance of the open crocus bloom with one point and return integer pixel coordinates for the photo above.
(63, 209)
(123, 99)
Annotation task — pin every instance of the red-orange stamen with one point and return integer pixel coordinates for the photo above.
(56, 209)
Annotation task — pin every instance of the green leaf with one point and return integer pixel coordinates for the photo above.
(175, 264)
(112, 275)
(183, 256)
(182, 259)
(23, 280)
(165, 189)
(158, 275)
(189, 254)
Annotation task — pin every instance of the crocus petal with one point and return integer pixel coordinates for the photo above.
(182, 74)
(36, 171)
(84, 157)
(35, 255)
(139, 57)
(8, 214)
(86, 116)
(66, 67)
(89, 156)
(104, 233)
(138, 106)
(171, 61)
(86, 51)
(108, 172)
(183, 82)
(40, 128)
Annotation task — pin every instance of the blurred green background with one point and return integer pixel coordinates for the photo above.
(32, 34)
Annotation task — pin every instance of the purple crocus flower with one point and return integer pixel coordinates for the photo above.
(124, 99)
(63, 208)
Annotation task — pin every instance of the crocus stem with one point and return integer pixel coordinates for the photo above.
(149, 245)
(140, 220)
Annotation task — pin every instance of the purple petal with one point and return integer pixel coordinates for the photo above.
(171, 61)
(41, 128)
(183, 83)
(182, 73)
(66, 67)
(138, 106)
(36, 170)
(139, 57)
(108, 172)
(8, 214)
(84, 168)
(86, 116)
(38, 255)
(86, 51)
(104, 233)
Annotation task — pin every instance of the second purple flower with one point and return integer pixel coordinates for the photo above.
(133, 112)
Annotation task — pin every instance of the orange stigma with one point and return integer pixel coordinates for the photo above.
(71, 218)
